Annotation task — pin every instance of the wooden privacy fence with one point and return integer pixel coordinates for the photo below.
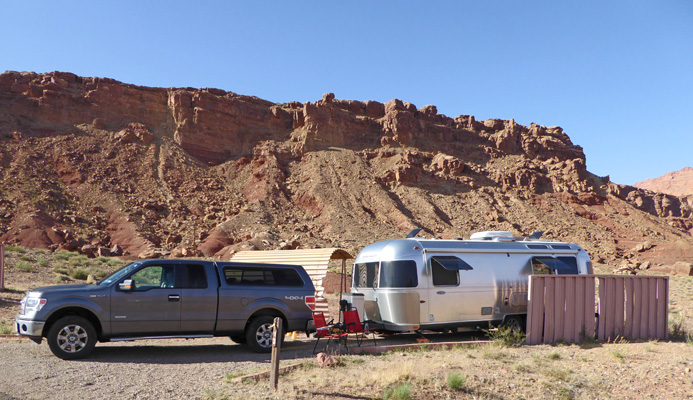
(562, 307)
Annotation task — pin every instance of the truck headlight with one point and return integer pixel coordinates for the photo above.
(32, 304)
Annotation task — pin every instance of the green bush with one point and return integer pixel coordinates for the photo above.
(79, 273)
(61, 278)
(506, 336)
(64, 255)
(456, 381)
(5, 328)
(16, 249)
(43, 262)
(79, 260)
(24, 266)
(401, 391)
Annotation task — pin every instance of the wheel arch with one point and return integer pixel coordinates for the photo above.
(273, 312)
(78, 311)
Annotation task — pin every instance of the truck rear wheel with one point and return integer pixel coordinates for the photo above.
(259, 334)
(238, 339)
(72, 337)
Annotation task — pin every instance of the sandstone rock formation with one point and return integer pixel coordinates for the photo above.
(97, 165)
(677, 183)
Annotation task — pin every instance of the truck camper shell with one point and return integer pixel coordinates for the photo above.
(418, 284)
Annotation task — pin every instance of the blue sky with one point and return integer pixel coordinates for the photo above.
(616, 75)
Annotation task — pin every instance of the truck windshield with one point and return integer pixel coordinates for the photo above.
(119, 274)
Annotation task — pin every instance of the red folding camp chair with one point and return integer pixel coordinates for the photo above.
(324, 330)
(353, 326)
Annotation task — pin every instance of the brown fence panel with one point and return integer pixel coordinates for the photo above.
(561, 307)
(633, 307)
(535, 309)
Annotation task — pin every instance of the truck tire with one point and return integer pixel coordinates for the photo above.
(258, 335)
(515, 322)
(72, 337)
(238, 339)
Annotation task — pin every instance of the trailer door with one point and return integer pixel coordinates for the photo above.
(459, 292)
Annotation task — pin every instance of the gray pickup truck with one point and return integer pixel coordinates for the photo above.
(170, 298)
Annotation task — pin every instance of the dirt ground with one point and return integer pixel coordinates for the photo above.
(205, 368)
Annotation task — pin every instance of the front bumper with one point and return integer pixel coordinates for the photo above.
(29, 328)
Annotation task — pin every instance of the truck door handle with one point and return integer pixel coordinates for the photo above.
(440, 292)
(173, 297)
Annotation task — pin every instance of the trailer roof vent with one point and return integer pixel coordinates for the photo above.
(492, 235)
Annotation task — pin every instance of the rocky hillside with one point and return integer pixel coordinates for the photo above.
(104, 167)
(677, 183)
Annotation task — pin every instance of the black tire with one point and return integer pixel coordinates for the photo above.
(238, 339)
(72, 337)
(258, 334)
(515, 322)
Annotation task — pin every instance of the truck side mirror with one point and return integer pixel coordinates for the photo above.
(126, 285)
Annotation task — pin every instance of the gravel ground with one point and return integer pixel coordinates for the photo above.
(149, 369)
(146, 369)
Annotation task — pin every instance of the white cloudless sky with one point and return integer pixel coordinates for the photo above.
(616, 75)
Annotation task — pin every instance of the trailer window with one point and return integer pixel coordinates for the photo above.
(443, 273)
(398, 274)
(551, 266)
(365, 275)
(572, 263)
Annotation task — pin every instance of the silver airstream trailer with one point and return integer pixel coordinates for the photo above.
(417, 284)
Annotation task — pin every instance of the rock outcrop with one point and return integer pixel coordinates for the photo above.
(99, 166)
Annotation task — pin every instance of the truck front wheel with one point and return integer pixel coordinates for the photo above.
(72, 337)
(259, 334)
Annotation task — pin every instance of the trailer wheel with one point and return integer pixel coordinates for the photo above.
(515, 322)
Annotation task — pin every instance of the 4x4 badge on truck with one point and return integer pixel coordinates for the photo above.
(293, 297)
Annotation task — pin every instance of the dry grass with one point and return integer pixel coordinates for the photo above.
(620, 371)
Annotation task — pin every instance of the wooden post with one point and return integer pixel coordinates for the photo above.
(2, 267)
(276, 351)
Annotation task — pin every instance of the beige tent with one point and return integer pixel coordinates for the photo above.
(314, 261)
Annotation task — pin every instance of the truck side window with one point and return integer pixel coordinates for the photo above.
(194, 277)
(154, 276)
(262, 277)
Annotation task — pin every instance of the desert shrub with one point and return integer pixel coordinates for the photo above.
(79, 273)
(61, 278)
(16, 249)
(114, 262)
(554, 355)
(61, 269)
(98, 273)
(456, 381)
(43, 262)
(5, 328)
(400, 391)
(23, 266)
(677, 328)
(558, 374)
(64, 255)
(618, 354)
(26, 257)
(79, 260)
(506, 336)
